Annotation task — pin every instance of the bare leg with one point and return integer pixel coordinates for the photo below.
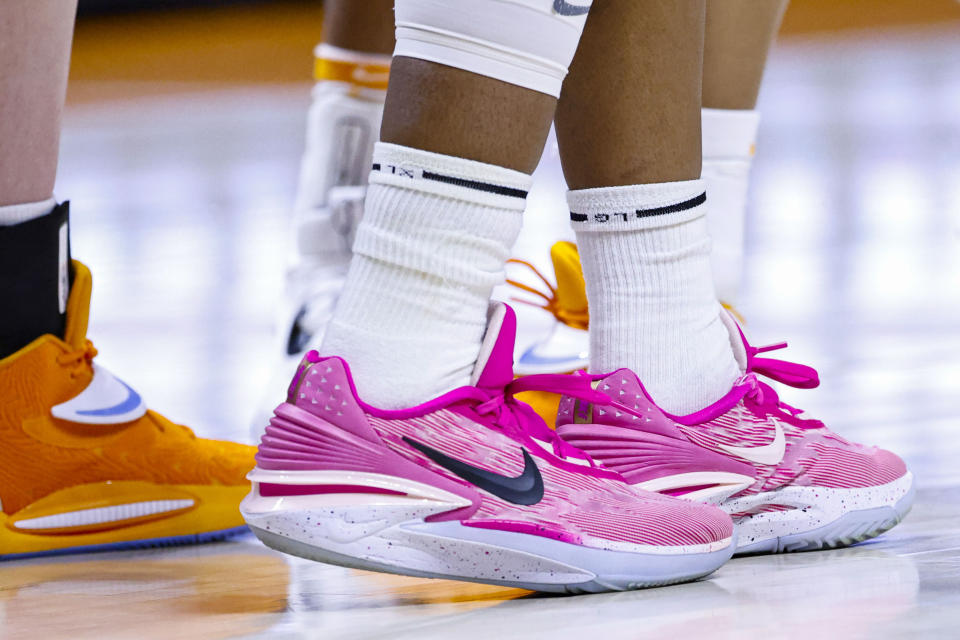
(628, 124)
(450, 177)
(35, 38)
(351, 68)
(359, 26)
(630, 108)
(426, 257)
(739, 34)
(458, 113)
(46, 362)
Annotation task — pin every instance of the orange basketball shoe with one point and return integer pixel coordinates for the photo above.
(85, 466)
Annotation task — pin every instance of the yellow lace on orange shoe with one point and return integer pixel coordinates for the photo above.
(576, 318)
(567, 302)
(78, 360)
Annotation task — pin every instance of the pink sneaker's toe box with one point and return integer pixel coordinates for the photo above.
(853, 466)
(695, 523)
(655, 520)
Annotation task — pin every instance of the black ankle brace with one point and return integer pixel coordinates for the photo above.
(35, 277)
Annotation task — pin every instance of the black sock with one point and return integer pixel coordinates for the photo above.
(34, 278)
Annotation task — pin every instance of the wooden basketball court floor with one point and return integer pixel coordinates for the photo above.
(180, 201)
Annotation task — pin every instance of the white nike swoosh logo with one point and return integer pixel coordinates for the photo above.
(768, 454)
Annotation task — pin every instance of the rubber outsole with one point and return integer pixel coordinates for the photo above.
(698, 567)
(849, 529)
(152, 543)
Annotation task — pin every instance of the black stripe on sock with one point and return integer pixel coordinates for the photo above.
(463, 182)
(624, 216)
(473, 184)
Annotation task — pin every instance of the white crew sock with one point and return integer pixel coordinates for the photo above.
(729, 137)
(16, 213)
(434, 238)
(646, 262)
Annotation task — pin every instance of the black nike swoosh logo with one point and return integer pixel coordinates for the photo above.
(527, 488)
(567, 9)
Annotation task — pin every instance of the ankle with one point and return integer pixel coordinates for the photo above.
(436, 233)
(34, 272)
(646, 260)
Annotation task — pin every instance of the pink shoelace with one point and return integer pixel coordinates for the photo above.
(510, 413)
(507, 411)
(792, 374)
(799, 376)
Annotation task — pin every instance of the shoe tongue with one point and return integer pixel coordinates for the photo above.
(571, 290)
(78, 305)
(494, 367)
(737, 340)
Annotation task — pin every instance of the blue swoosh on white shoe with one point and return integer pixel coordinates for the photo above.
(132, 401)
(105, 400)
(532, 358)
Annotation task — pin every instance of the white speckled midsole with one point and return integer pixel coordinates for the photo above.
(392, 531)
(810, 508)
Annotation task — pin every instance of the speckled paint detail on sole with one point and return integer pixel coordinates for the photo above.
(819, 517)
(437, 550)
(391, 534)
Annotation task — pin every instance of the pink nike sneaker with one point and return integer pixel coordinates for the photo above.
(472, 485)
(789, 483)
